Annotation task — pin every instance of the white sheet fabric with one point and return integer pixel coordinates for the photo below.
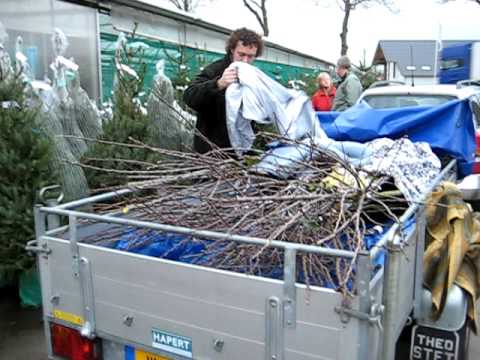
(257, 97)
(413, 166)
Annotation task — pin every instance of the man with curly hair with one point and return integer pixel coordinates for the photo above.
(206, 94)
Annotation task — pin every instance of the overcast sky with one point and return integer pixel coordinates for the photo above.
(303, 26)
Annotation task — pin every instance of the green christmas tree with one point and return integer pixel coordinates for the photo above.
(25, 153)
(129, 121)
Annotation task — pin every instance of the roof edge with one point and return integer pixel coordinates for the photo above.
(106, 6)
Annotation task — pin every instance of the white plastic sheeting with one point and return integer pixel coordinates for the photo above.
(257, 97)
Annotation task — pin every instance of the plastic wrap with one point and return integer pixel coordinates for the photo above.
(63, 106)
(5, 63)
(22, 67)
(172, 126)
(86, 112)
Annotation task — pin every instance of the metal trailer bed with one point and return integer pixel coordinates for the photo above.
(129, 299)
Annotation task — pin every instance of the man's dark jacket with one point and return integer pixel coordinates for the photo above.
(208, 101)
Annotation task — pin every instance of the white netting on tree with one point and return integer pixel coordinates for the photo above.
(172, 126)
(5, 64)
(106, 112)
(64, 109)
(72, 177)
(63, 106)
(22, 67)
(86, 113)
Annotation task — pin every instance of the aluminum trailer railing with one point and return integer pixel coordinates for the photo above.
(123, 297)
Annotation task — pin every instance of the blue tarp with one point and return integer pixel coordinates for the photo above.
(188, 250)
(448, 128)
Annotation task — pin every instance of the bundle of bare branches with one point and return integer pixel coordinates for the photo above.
(327, 203)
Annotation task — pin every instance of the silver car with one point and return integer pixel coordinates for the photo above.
(391, 96)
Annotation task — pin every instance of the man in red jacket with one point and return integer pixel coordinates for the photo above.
(322, 100)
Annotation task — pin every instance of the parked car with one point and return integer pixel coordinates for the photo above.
(391, 96)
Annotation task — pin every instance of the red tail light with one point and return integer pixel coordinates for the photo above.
(69, 344)
(477, 138)
(476, 168)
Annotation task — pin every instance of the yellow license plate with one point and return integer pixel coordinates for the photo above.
(143, 355)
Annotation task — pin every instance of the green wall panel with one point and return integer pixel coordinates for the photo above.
(183, 63)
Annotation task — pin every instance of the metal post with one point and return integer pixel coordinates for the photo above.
(289, 289)
(274, 332)
(40, 229)
(88, 329)
(53, 220)
(82, 272)
(420, 248)
(364, 268)
(390, 293)
(72, 224)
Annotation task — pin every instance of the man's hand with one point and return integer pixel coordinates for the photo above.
(229, 76)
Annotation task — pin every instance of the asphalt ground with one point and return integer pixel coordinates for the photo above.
(21, 329)
(22, 337)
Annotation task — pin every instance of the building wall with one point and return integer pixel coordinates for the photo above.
(427, 80)
(35, 21)
(174, 31)
(186, 49)
(92, 37)
(393, 73)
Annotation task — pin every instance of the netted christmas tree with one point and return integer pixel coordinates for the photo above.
(173, 127)
(64, 107)
(129, 121)
(58, 119)
(25, 155)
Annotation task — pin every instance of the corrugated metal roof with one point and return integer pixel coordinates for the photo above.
(419, 53)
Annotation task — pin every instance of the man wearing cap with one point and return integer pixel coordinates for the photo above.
(349, 88)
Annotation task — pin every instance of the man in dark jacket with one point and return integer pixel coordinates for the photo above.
(206, 94)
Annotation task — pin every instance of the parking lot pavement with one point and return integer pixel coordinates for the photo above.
(21, 330)
(22, 338)
(474, 353)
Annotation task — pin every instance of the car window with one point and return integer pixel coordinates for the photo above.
(385, 101)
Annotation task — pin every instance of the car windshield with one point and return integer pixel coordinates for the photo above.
(385, 101)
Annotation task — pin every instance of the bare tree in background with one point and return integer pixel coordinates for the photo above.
(348, 6)
(446, 1)
(259, 9)
(185, 5)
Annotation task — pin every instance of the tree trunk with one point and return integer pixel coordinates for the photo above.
(343, 34)
(263, 19)
(266, 31)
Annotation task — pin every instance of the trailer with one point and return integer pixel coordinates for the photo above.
(101, 303)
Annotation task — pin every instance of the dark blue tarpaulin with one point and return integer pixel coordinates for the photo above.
(188, 250)
(448, 128)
